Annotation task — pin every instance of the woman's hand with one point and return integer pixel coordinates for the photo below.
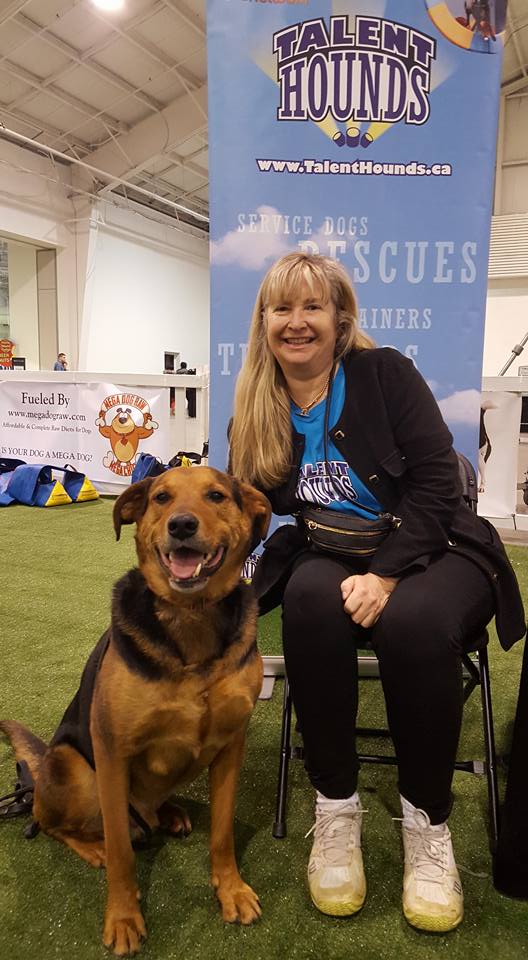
(365, 595)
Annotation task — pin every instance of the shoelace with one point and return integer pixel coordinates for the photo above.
(462, 868)
(333, 832)
(428, 854)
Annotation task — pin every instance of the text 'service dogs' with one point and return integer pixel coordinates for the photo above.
(167, 691)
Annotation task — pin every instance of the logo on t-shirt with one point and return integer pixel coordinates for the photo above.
(316, 486)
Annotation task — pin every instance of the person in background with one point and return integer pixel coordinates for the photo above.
(61, 363)
(323, 419)
(190, 392)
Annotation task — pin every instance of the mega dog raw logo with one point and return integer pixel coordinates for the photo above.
(375, 70)
(124, 419)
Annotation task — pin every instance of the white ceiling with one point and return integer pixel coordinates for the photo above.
(515, 63)
(126, 92)
(90, 84)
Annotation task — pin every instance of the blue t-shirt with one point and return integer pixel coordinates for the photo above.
(314, 484)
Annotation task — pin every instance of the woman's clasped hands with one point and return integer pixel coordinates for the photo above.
(365, 595)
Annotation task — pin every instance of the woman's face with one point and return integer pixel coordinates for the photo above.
(301, 332)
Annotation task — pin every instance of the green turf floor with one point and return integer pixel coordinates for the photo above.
(58, 567)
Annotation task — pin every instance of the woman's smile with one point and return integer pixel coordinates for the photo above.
(298, 341)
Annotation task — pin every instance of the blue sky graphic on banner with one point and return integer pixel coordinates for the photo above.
(364, 131)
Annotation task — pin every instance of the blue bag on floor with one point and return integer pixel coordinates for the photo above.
(5, 498)
(7, 466)
(147, 466)
(76, 484)
(34, 485)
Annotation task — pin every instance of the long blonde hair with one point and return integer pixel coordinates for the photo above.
(260, 435)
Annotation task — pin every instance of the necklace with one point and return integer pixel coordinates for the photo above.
(306, 407)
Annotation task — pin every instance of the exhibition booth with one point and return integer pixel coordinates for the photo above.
(362, 131)
(81, 418)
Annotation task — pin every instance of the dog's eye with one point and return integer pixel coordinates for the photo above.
(216, 496)
(162, 497)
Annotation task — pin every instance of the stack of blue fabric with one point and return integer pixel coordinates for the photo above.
(35, 484)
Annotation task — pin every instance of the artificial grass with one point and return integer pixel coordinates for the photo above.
(59, 565)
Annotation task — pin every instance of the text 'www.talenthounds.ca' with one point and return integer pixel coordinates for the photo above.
(361, 168)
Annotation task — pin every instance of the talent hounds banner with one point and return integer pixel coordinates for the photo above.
(364, 130)
(100, 428)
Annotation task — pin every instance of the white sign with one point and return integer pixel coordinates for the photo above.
(99, 428)
(500, 415)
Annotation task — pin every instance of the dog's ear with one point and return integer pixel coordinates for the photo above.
(131, 504)
(257, 505)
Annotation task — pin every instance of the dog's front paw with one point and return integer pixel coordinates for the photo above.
(174, 819)
(239, 903)
(124, 929)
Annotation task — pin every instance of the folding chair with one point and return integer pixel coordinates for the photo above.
(475, 672)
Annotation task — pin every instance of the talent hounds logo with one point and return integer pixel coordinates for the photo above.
(124, 419)
(378, 72)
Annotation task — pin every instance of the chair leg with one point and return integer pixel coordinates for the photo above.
(279, 826)
(489, 740)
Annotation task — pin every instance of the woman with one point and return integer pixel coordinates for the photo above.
(322, 417)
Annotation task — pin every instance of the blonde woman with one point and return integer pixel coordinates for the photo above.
(323, 419)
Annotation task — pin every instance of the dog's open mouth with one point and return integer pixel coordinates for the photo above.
(189, 569)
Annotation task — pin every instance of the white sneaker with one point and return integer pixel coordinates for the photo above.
(432, 892)
(335, 871)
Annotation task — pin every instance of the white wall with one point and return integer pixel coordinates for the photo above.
(506, 325)
(147, 291)
(513, 157)
(507, 301)
(129, 285)
(23, 304)
(35, 206)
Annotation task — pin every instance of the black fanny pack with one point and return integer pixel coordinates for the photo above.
(344, 533)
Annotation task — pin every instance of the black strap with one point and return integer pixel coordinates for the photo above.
(384, 515)
(356, 502)
(20, 801)
(142, 824)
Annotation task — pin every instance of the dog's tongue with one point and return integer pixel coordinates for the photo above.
(183, 563)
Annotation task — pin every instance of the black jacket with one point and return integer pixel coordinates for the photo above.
(392, 433)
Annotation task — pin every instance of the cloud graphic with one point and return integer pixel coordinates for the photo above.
(251, 251)
(463, 406)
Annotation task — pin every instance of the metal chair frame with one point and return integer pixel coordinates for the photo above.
(476, 673)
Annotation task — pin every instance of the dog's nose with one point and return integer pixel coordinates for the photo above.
(182, 525)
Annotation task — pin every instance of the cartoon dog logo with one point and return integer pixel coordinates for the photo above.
(124, 419)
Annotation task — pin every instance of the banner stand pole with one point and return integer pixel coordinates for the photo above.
(517, 349)
(516, 352)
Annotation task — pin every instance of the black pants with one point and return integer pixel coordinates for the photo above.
(427, 623)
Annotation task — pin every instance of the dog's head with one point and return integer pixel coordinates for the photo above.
(123, 422)
(195, 527)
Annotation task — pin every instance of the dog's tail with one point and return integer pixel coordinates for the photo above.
(26, 745)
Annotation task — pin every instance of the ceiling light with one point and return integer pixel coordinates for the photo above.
(109, 4)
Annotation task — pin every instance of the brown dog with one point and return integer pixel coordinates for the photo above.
(168, 691)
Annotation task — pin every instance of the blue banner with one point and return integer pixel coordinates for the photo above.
(363, 130)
